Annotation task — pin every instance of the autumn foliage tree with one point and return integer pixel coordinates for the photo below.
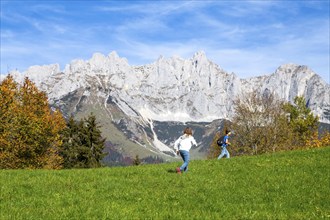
(29, 129)
(263, 123)
(260, 124)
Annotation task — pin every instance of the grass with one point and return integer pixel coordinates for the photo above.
(288, 185)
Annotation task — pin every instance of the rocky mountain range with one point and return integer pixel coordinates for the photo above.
(143, 109)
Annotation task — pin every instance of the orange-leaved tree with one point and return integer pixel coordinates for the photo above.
(29, 130)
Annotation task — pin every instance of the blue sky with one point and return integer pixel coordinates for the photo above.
(249, 38)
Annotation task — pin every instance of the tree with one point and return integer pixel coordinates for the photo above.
(259, 124)
(136, 161)
(29, 130)
(71, 143)
(93, 140)
(8, 109)
(83, 144)
(302, 121)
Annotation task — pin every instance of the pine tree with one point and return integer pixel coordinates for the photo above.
(136, 161)
(83, 144)
(302, 121)
(94, 141)
(71, 143)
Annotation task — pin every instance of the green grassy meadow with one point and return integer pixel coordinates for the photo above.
(286, 185)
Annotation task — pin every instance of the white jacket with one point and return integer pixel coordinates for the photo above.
(185, 142)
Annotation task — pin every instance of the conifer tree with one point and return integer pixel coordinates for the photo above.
(93, 141)
(83, 144)
(137, 161)
(302, 121)
(71, 143)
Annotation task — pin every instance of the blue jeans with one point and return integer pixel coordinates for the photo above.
(185, 156)
(223, 153)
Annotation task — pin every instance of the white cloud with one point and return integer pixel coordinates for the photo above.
(249, 38)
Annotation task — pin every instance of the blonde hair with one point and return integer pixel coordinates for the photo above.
(188, 131)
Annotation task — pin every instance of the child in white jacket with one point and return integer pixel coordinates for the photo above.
(182, 146)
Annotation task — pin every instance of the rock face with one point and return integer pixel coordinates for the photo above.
(134, 102)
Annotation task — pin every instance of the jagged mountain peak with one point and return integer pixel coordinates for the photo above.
(184, 89)
(294, 70)
(112, 59)
(169, 90)
(199, 55)
(98, 64)
(298, 76)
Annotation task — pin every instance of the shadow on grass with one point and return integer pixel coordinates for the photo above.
(171, 171)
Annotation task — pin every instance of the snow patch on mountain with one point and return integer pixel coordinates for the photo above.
(158, 144)
(172, 116)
